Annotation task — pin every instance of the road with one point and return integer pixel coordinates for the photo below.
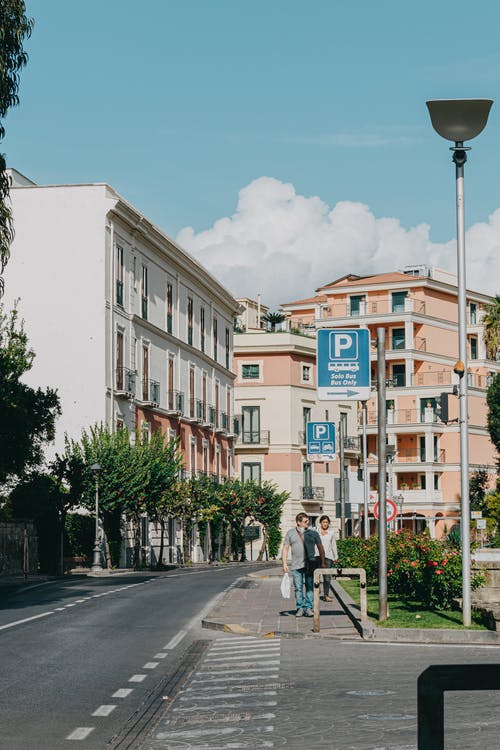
(121, 663)
(91, 658)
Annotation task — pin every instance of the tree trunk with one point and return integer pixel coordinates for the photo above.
(159, 563)
(137, 541)
(264, 544)
(107, 552)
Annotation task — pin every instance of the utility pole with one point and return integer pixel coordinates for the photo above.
(382, 469)
(341, 480)
(365, 474)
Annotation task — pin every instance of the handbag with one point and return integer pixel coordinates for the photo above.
(285, 586)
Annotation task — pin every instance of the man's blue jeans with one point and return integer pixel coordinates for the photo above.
(299, 580)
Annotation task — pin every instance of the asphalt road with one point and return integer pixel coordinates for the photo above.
(89, 660)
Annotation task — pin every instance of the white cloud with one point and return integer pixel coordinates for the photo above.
(283, 245)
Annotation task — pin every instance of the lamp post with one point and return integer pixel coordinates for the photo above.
(460, 120)
(96, 564)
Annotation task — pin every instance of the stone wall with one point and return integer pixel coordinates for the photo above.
(14, 541)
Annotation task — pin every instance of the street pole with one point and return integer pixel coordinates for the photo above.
(365, 473)
(96, 564)
(382, 469)
(341, 481)
(460, 157)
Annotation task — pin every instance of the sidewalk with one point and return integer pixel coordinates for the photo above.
(254, 606)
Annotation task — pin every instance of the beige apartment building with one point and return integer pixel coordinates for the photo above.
(418, 310)
(275, 397)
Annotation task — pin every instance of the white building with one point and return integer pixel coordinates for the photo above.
(130, 328)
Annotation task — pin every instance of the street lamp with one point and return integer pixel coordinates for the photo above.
(461, 120)
(96, 564)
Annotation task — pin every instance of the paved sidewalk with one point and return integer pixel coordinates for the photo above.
(254, 606)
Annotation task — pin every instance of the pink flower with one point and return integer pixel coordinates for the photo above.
(438, 572)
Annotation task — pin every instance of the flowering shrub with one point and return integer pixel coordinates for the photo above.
(419, 569)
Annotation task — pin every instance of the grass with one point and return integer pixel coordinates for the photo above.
(409, 614)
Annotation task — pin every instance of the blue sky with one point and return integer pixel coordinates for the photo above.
(180, 105)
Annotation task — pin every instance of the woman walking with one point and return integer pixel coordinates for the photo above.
(327, 536)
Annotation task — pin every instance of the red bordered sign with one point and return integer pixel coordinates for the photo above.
(390, 508)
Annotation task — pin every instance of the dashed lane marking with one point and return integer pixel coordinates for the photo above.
(122, 693)
(104, 710)
(26, 619)
(161, 655)
(151, 665)
(173, 642)
(80, 733)
(137, 677)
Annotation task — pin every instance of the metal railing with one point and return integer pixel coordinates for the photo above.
(334, 573)
(380, 306)
(125, 380)
(405, 416)
(431, 687)
(151, 390)
(312, 493)
(175, 401)
(251, 437)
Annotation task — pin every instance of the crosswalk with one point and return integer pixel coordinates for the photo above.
(230, 701)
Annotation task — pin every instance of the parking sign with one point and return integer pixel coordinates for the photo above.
(343, 364)
(320, 441)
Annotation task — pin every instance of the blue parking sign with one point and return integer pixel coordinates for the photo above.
(343, 364)
(320, 441)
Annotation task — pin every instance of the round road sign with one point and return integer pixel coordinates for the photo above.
(390, 509)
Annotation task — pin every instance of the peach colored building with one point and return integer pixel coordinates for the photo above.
(418, 309)
(275, 397)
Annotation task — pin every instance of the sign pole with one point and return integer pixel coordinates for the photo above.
(341, 481)
(365, 474)
(382, 469)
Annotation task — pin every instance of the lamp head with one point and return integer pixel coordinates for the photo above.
(95, 467)
(459, 120)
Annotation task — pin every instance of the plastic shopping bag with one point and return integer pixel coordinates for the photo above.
(285, 586)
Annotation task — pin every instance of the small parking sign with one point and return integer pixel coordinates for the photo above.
(320, 441)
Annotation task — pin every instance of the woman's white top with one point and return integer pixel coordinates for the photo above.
(329, 543)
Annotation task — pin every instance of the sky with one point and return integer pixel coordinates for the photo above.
(283, 143)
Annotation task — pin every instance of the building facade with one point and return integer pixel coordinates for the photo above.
(419, 311)
(275, 398)
(129, 328)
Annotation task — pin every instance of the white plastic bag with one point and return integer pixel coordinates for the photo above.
(285, 586)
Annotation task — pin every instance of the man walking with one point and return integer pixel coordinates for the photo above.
(302, 542)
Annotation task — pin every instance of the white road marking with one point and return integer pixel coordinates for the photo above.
(231, 671)
(103, 710)
(138, 677)
(122, 693)
(26, 619)
(230, 694)
(173, 642)
(151, 665)
(193, 733)
(249, 658)
(230, 679)
(244, 646)
(218, 706)
(161, 655)
(70, 605)
(80, 733)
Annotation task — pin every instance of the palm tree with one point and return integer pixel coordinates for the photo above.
(491, 330)
(273, 319)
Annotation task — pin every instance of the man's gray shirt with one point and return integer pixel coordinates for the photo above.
(297, 547)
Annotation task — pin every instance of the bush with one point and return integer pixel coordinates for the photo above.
(274, 541)
(419, 569)
(79, 535)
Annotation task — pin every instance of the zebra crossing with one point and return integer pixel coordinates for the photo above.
(230, 701)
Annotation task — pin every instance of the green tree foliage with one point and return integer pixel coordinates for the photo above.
(491, 323)
(478, 487)
(273, 319)
(493, 401)
(27, 415)
(268, 504)
(15, 27)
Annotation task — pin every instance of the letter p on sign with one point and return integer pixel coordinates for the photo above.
(343, 346)
(320, 432)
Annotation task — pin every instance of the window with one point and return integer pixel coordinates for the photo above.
(216, 343)
(191, 393)
(306, 373)
(307, 476)
(145, 372)
(356, 304)
(170, 298)
(473, 347)
(250, 472)
(204, 397)
(473, 313)
(144, 293)
(170, 384)
(421, 441)
(250, 372)
(227, 349)
(436, 448)
(119, 361)
(436, 481)
(202, 329)
(398, 376)
(217, 404)
(398, 338)
(399, 301)
(190, 321)
(250, 417)
(192, 455)
(306, 417)
(119, 275)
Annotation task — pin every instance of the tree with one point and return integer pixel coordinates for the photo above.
(493, 401)
(478, 487)
(15, 27)
(273, 319)
(268, 506)
(27, 415)
(491, 331)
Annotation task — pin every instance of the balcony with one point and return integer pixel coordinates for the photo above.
(405, 416)
(125, 382)
(351, 444)
(313, 494)
(175, 402)
(367, 308)
(253, 439)
(441, 377)
(150, 391)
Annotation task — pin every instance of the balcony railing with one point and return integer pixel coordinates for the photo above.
(351, 443)
(151, 391)
(125, 380)
(312, 493)
(441, 377)
(381, 306)
(249, 437)
(405, 416)
(175, 401)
